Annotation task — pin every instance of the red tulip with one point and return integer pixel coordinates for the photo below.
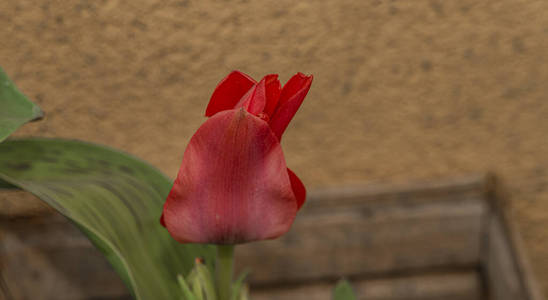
(234, 185)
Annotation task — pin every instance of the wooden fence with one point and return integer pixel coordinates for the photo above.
(438, 240)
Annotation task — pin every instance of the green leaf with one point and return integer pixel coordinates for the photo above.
(239, 286)
(196, 284)
(343, 291)
(188, 295)
(15, 108)
(7, 185)
(113, 197)
(207, 280)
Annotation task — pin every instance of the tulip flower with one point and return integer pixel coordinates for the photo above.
(234, 185)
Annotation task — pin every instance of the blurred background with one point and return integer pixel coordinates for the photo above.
(402, 91)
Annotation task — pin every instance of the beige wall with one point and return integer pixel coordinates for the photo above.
(403, 90)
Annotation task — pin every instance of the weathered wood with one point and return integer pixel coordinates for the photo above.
(48, 258)
(530, 285)
(503, 279)
(465, 285)
(356, 232)
(16, 203)
(506, 268)
(419, 241)
(508, 276)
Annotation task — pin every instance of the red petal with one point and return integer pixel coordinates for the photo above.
(263, 97)
(233, 185)
(162, 220)
(273, 90)
(294, 85)
(228, 92)
(298, 188)
(255, 100)
(296, 88)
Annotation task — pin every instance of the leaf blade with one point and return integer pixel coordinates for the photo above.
(112, 196)
(15, 108)
(343, 291)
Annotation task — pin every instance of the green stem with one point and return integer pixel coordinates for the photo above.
(224, 266)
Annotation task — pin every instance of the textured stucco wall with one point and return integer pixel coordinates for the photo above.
(403, 90)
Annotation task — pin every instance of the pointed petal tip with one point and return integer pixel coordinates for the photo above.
(303, 78)
(228, 92)
(291, 98)
(271, 77)
(302, 75)
(264, 96)
(307, 79)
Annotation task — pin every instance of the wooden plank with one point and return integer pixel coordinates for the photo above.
(506, 268)
(502, 277)
(16, 203)
(28, 275)
(359, 232)
(48, 258)
(508, 276)
(530, 284)
(455, 188)
(465, 285)
(383, 235)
